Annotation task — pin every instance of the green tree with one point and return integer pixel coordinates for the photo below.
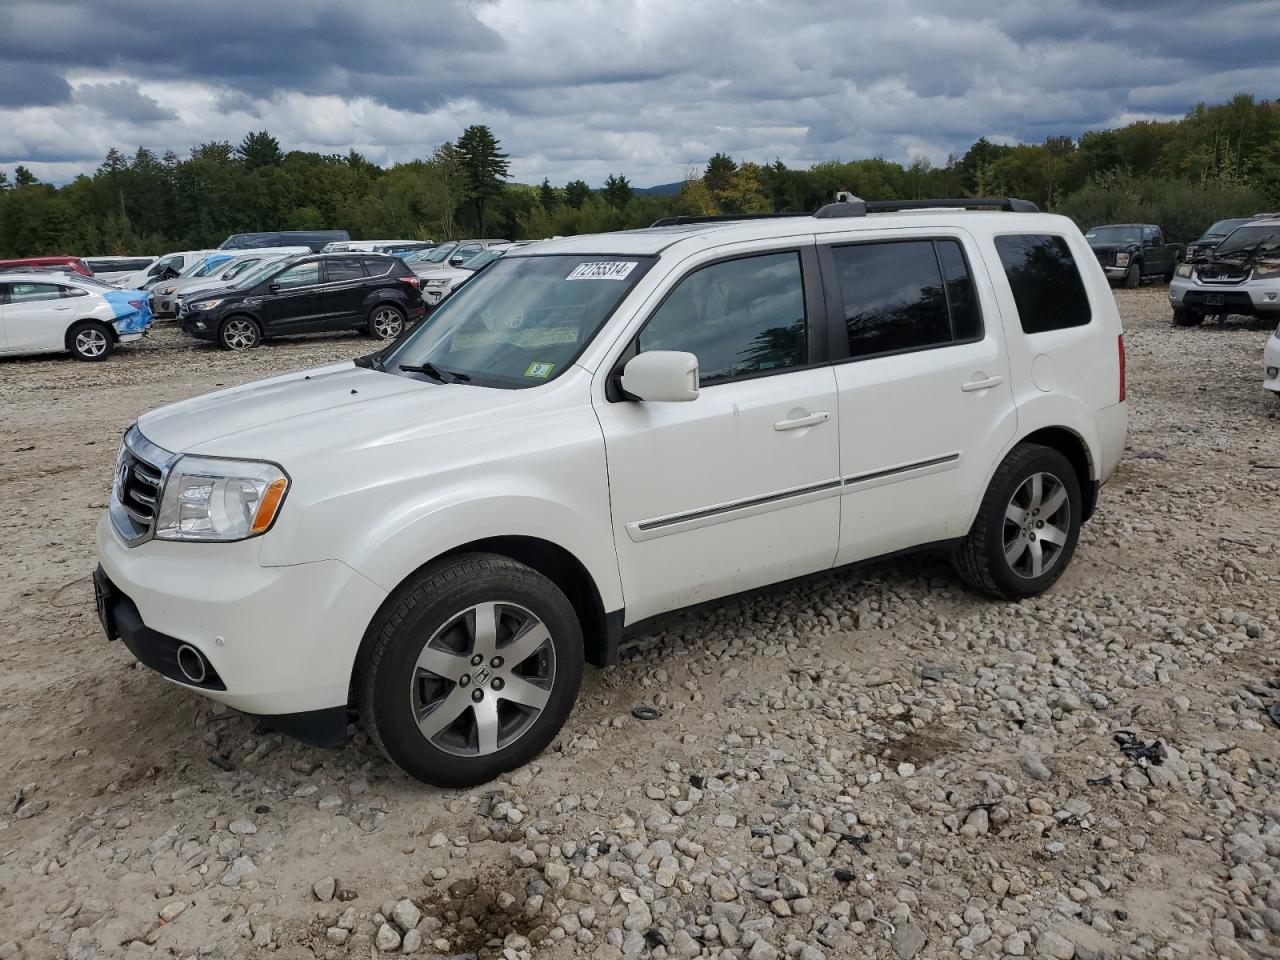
(617, 191)
(22, 177)
(719, 173)
(484, 168)
(576, 193)
(4, 181)
(258, 150)
(547, 195)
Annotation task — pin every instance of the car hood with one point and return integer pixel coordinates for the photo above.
(305, 414)
(442, 273)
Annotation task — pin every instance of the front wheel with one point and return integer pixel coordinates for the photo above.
(239, 333)
(470, 670)
(386, 322)
(1133, 276)
(1027, 526)
(90, 341)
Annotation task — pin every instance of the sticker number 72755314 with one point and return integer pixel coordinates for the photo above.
(602, 270)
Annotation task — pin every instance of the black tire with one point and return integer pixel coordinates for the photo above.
(1133, 276)
(432, 607)
(386, 322)
(1186, 318)
(91, 341)
(981, 559)
(239, 332)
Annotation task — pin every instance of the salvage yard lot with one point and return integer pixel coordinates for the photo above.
(805, 792)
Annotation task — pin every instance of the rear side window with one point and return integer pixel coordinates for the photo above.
(33, 292)
(378, 266)
(740, 318)
(1045, 281)
(906, 295)
(338, 270)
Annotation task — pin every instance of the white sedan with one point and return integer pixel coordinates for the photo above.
(56, 313)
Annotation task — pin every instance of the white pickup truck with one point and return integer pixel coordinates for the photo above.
(599, 429)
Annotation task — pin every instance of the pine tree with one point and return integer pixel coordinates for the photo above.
(617, 192)
(576, 193)
(260, 149)
(719, 173)
(484, 168)
(547, 195)
(22, 177)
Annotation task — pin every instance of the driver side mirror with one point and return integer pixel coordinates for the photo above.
(457, 261)
(662, 376)
(273, 286)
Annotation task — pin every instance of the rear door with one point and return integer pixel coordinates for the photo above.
(923, 378)
(341, 298)
(36, 317)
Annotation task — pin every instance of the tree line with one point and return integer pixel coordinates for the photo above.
(1216, 161)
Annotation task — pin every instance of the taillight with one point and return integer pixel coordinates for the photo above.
(412, 280)
(1120, 342)
(137, 304)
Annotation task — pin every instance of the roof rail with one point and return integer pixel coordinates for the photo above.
(860, 208)
(720, 218)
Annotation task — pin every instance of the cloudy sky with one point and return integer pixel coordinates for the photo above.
(644, 88)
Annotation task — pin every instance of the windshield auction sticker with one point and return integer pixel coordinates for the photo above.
(602, 270)
(539, 370)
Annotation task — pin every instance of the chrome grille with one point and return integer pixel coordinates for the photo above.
(136, 490)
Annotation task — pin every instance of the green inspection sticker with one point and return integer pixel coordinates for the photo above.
(539, 370)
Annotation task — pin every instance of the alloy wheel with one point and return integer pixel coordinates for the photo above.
(239, 334)
(387, 324)
(1036, 525)
(483, 679)
(91, 342)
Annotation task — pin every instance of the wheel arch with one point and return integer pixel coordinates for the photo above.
(71, 328)
(1073, 446)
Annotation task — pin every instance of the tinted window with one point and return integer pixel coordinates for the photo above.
(336, 270)
(378, 266)
(740, 317)
(893, 296)
(966, 316)
(31, 292)
(303, 275)
(1045, 282)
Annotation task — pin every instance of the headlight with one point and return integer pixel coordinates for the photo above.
(207, 498)
(165, 291)
(1184, 270)
(205, 305)
(1266, 269)
(1122, 259)
(437, 283)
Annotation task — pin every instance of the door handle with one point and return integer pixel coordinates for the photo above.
(810, 420)
(62, 308)
(975, 385)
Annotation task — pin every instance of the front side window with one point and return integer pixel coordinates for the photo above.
(520, 322)
(339, 270)
(740, 318)
(168, 263)
(1045, 281)
(302, 275)
(33, 292)
(906, 295)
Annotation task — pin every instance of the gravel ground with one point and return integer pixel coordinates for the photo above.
(874, 765)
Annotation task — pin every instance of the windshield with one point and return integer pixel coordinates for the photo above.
(437, 254)
(1124, 234)
(1246, 238)
(256, 276)
(522, 321)
(483, 258)
(240, 266)
(95, 282)
(209, 266)
(1224, 227)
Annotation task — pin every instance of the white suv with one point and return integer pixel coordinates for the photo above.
(599, 429)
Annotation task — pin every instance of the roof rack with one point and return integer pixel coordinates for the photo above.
(860, 208)
(720, 218)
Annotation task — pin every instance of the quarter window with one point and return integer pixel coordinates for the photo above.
(1045, 281)
(739, 318)
(906, 295)
(303, 275)
(338, 270)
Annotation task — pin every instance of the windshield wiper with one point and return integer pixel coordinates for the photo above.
(436, 373)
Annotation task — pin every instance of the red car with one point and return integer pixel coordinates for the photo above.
(63, 264)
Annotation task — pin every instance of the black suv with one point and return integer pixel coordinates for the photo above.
(307, 294)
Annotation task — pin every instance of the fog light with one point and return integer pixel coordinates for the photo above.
(1271, 296)
(199, 324)
(1273, 372)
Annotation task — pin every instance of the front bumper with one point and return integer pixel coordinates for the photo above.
(1115, 273)
(1271, 363)
(280, 640)
(202, 326)
(1256, 298)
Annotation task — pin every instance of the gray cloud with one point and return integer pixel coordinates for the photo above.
(643, 88)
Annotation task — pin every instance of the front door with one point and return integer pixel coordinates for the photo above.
(36, 317)
(739, 487)
(926, 406)
(291, 302)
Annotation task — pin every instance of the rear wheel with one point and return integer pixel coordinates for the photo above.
(1133, 276)
(1186, 318)
(90, 340)
(1027, 527)
(239, 333)
(470, 670)
(386, 322)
